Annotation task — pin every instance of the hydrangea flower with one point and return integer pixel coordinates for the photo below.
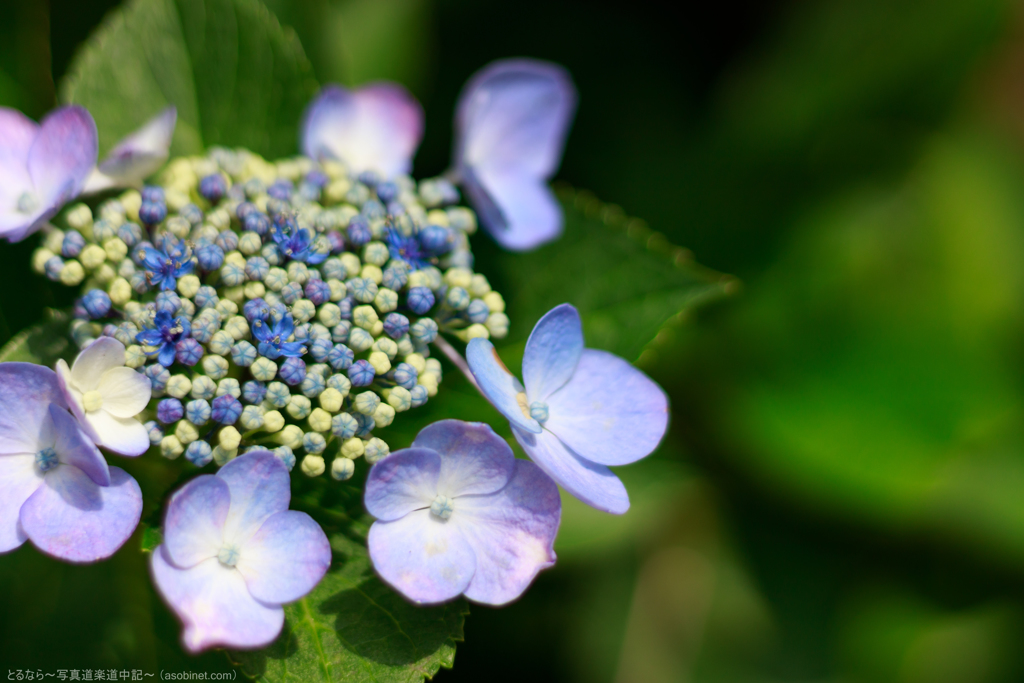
(510, 127)
(273, 338)
(165, 266)
(42, 166)
(105, 396)
(136, 156)
(580, 410)
(55, 487)
(164, 336)
(233, 553)
(458, 514)
(374, 128)
(296, 243)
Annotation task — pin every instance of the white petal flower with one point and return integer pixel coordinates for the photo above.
(106, 396)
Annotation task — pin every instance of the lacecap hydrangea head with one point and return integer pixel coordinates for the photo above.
(288, 304)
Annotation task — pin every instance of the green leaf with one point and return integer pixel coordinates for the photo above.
(42, 344)
(353, 628)
(151, 538)
(236, 76)
(627, 281)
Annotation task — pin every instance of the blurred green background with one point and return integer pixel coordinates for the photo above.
(841, 495)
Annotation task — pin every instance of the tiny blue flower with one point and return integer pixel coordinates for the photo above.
(256, 309)
(198, 412)
(272, 339)
(361, 373)
(210, 257)
(164, 335)
(292, 371)
(96, 303)
(406, 249)
(188, 352)
(169, 410)
(396, 325)
(295, 243)
(164, 267)
(254, 392)
(420, 300)
(226, 409)
(199, 453)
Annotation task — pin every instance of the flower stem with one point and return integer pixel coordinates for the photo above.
(456, 358)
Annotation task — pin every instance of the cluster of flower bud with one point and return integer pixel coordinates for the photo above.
(286, 305)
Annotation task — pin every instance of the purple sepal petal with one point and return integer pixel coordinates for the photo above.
(26, 392)
(194, 524)
(260, 486)
(374, 128)
(215, 606)
(421, 556)
(519, 212)
(403, 482)
(17, 132)
(609, 412)
(552, 352)
(286, 558)
(136, 156)
(594, 484)
(512, 534)
(74, 448)
(474, 460)
(19, 479)
(72, 518)
(498, 384)
(510, 124)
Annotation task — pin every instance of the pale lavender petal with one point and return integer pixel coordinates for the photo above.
(424, 558)
(594, 484)
(374, 128)
(95, 359)
(286, 558)
(62, 155)
(74, 448)
(552, 352)
(404, 481)
(513, 115)
(137, 156)
(519, 212)
(609, 412)
(474, 459)
(125, 392)
(512, 533)
(498, 384)
(19, 479)
(215, 606)
(260, 486)
(26, 392)
(72, 518)
(125, 436)
(194, 524)
(17, 132)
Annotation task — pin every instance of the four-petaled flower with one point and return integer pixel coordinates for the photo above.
(165, 266)
(273, 340)
(55, 487)
(295, 243)
(42, 165)
(164, 336)
(458, 514)
(510, 127)
(105, 396)
(233, 553)
(581, 409)
(406, 249)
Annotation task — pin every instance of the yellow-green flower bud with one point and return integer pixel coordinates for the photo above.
(273, 421)
(478, 287)
(115, 249)
(386, 300)
(383, 416)
(495, 304)
(254, 290)
(215, 367)
(376, 449)
(474, 331)
(497, 325)
(186, 432)
(263, 369)
(399, 398)
(93, 256)
(331, 400)
(39, 259)
(320, 420)
(365, 317)
(366, 402)
(376, 253)
(104, 274)
(329, 314)
(313, 465)
(290, 436)
(417, 361)
(72, 273)
(132, 202)
(229, 438)
(298, 406)
(386, 346)
(226, 308)
(188, 285)
(303, 310)
(373, 273)
(178, 386)
(380, 362)
(458, 277)
(237, 327)
(250, 243)
(352, 448)
(342, 468)
(79, 217)
(134, 357)
(222, 456)
(351, 262)
(428, 382)
(170, 447)
(120, 291)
